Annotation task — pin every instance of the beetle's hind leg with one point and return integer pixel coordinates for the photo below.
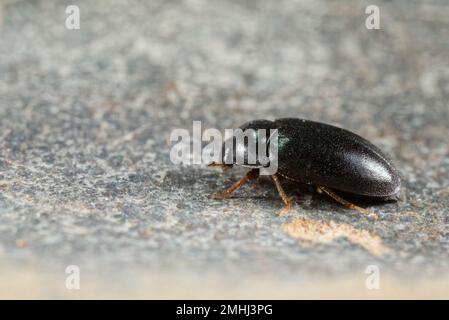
(250, 175)
(285, 198)
(350, 205)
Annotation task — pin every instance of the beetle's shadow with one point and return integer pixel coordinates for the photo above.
(363, 200)
(263, 188)
(299, 189)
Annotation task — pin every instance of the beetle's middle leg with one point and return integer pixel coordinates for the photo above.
(285, 198)
(346, 203)
(250, 175)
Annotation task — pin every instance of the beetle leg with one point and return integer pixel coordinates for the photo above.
(350, 205)
(251, 175)
(285, 198)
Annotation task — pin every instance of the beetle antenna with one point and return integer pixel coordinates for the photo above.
(216, 164)
(224, 166)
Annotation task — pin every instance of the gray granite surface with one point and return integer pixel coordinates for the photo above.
(85, 173)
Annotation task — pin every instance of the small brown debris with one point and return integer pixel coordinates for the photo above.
(21, 243)
(316, 232)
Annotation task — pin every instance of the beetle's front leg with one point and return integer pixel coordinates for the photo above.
(251, 175)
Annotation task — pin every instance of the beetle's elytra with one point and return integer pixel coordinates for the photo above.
(327, 157)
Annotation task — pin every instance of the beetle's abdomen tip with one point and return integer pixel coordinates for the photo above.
(392, 190)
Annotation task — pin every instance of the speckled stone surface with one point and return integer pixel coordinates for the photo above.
(85, 173)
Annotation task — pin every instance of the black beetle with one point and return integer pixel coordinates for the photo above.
(325, 156)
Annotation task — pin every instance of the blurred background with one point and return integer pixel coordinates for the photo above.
(86, 179)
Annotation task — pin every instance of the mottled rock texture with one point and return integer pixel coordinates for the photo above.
(85, 173)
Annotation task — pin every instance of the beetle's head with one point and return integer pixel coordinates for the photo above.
(249, 144)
